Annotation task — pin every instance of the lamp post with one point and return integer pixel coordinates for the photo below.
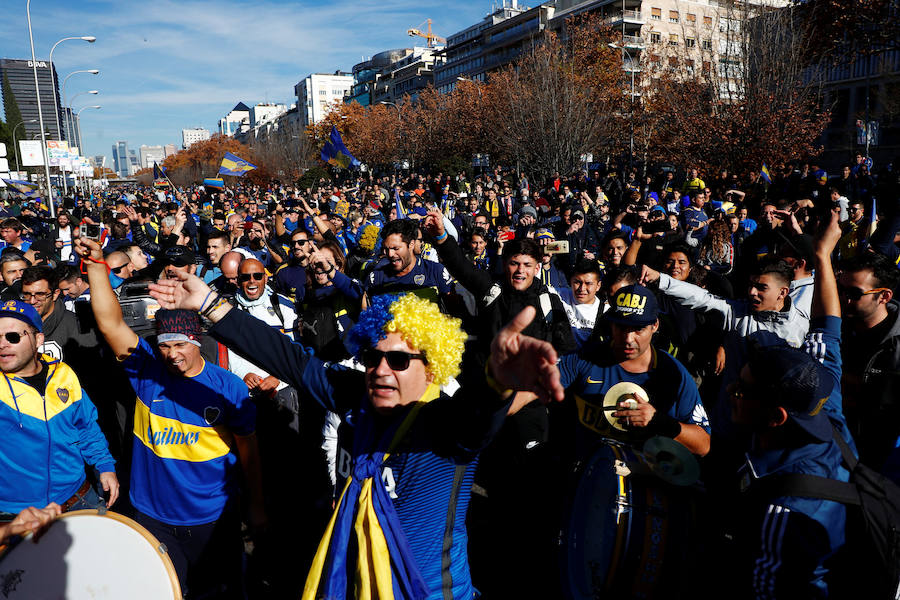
(87, 38)
(630, 56)
(66, 100)
(37, 93)
(16, 145)
(69, 123)
(78, 123)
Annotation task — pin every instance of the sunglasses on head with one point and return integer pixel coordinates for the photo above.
(14, 337)
(244, 277)
(397, 360)
(854, 294)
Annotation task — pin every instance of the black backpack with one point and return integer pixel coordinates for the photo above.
(875, 525)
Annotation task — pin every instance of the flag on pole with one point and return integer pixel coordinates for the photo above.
(401, 213)
(214, 182)
(334, 152)
(25, 187)
(235, 165)
(160, 179)
(764, 173)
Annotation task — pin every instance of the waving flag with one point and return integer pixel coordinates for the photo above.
(160, 179)
(235, 165)
(764, 173)
(334, 152)
(401, 212)
(214, 183)
(25, 187)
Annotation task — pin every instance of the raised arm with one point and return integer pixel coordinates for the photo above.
(107, 312)
(825, 302)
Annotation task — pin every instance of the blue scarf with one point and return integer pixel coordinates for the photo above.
(365, 510)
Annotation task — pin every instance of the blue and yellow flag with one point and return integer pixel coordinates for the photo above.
(214, 183)
(160, 180)
(334, 152)
(25, 187)
(235, 165)
(764, 173)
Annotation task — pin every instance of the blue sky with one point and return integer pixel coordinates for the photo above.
(172, 64)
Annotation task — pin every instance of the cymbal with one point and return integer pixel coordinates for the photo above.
(617, 393)
(671, 461)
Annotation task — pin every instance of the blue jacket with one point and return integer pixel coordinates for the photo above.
(46, 440)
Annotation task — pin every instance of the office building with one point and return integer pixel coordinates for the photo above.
(148, 155)
(367, 73)
(121, 163)
(192, 136)
(407, 76)
(319, 92)
(266, 112)
(236, 120)
(20, 75)
(169, 149)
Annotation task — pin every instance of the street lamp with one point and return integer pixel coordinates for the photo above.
(87, 38)
(395, 105)
(37, 93)
(66, 100)
(71, 103)
(16, 145)
(630, 56)
(78, 122)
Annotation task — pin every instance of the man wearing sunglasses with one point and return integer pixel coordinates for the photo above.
(290, 278)
(409, 445)
(871, 380)
(50, 424)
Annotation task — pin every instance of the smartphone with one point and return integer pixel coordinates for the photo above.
(507, 236)
(560, 247)
(91, 232)
(248, 226)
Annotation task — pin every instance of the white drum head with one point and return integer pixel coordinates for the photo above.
(85, 555)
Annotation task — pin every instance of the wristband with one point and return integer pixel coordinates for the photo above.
(204, 301)
(495, 385)
(219, 301)
(664, 425)
(441, 237)
(96, 262)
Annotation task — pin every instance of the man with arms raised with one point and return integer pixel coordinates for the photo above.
(406, 450)
(190, 417)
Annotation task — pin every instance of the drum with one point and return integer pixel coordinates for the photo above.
(88, 555)
(628, 534)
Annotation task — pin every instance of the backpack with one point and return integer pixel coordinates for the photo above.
(877, 518)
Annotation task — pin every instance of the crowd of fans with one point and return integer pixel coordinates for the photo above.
(759, 317)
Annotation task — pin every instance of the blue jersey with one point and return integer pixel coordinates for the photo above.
(427, 278)
(428, 477)
(183, 466)
(823, 343)
(668, 384)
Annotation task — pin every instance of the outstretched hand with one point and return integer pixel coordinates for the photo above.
(523, 363)
(187, 291)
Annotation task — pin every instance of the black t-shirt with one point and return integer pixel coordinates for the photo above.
(39, 380)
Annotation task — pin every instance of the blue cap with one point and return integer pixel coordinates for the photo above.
(793, 380)
(633, 306)
(16, 309)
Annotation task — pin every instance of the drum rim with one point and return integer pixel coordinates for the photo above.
(91, 512)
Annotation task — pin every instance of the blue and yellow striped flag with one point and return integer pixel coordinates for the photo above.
(764, 173)
(235, 165)
(214, 183)
(25, 187)
(334, 152)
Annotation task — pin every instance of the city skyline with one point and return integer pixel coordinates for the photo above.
(177, 65)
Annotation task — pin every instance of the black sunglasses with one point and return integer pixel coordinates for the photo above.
(299, 242)
(118, 269)
(247, 276)
(14, 337)
(397, 360)
(854, 293)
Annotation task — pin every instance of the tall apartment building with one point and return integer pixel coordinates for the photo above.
(367, 73)
(318, 92)
(20, 75)
(192, 136)
(407, 76)
(121, 162)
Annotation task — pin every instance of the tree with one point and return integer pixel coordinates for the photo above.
(561, 99)
(203, 158)
(13, 120)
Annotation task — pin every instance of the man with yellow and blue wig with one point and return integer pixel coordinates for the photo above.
(407, 450)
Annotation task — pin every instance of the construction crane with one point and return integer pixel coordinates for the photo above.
(432, 38)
